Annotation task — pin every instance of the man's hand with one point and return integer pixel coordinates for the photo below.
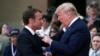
(47, 39)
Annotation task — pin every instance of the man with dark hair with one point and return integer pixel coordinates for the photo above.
(28, 43)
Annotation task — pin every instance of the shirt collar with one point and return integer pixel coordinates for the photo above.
(73, 21)
(64, 28)
(32, 31)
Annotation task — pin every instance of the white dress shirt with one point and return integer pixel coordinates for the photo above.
(94, 52)
(43, 32)
(64, 28)
(32, 31)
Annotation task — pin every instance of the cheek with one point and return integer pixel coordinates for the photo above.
(99, 44)
(64, 18)
(95, 45)
(4, 29)
(12, 40)
(43, 22)
(38, 23)
(52, 34)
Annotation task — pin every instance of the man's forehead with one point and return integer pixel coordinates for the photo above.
(60, 12)
(38, 14)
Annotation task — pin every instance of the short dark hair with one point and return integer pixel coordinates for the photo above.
(30, 13)
(47, 18)
(98, 34)
(56, 26)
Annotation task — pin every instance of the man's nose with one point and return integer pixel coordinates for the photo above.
(41, 21)
(58, 19)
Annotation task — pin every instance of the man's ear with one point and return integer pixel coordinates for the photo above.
(69, 15)
(31, 20)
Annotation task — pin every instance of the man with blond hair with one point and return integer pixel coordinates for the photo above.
(76, 38)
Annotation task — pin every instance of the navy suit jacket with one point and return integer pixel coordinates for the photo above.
(74, 42)
(29, 45)
(7, 51)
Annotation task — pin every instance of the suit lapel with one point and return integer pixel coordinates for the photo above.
(69, 30)
(34, 38)
(27, 31)
(66, 34)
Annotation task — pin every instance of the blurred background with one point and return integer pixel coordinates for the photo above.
(11, 10)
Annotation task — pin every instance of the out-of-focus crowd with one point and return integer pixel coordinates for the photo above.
(51, 26)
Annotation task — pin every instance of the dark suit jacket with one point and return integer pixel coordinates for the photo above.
(7, 51)
(29, 45)
(74, 42)
(58, 35)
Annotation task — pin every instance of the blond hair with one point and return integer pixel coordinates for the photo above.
(67, 7)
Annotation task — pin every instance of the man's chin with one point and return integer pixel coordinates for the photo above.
(39, 28)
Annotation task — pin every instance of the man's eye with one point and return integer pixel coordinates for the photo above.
(55, 16)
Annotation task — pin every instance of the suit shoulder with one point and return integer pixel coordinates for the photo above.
(24, 32)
